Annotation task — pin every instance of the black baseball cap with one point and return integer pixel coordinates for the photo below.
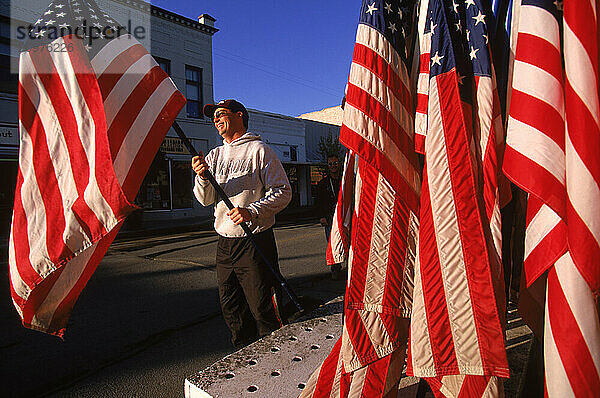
(231, 104)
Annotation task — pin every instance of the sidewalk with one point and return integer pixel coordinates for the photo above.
(286, 217)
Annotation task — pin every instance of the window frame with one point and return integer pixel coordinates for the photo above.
(165, 61)
(198, 85)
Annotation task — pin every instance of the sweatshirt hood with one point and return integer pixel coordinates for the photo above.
(243, 139)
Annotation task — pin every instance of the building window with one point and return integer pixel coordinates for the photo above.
(155, 192)
(168, 185)
(164, 63)
(193, 91)
(292, 173)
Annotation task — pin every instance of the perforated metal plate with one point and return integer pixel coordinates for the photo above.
(277, 365)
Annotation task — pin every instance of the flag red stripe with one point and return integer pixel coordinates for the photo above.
(587, 254)
(533, 207)
(576, 358)
(345, 382)
(490, 174)
(367, 151)
(530, 47)
(375, 379)
(425, 59)
(368, 58)
(359, 336)
(328, 372)
(479, 263)
(46, 181)
(550, 190)
(374, 110)
(434, 296)
(538, 114)
(123, 120)
(21, 241)
(420, 143)
(545, 253)
(153, 140)
(474, 386)
(362, 227)
(396, 329)
(392, 297)
(422, 103)
(115, 70)
(580, 119)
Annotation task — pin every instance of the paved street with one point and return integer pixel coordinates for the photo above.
(148, 318)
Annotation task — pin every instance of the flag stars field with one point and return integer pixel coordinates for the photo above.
(435, 60)
(371, 9)
(479, 18)
(473, 53)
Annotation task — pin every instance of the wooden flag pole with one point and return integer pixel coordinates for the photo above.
(209, 176)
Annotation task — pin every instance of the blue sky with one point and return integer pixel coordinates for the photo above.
(287, 57)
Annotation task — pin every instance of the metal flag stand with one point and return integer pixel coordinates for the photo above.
(208, 175)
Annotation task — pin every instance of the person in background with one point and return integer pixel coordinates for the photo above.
(327, 194)
(253, 178)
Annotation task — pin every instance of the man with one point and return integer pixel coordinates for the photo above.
(254, 180)
(327, 193)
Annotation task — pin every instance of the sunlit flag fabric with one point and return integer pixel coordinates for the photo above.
(458, 301)
(378, 127)
(422, 98)
(92, 113)
(552, 153)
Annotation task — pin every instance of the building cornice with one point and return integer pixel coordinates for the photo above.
(168, 16)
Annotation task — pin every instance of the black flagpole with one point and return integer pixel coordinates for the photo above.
(208, 175)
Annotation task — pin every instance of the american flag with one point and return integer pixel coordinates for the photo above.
(552, 153)
(378, 127)
(339, 239)
(93, 109)
(458, 301)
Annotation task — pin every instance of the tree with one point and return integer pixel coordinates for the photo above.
(330, 146)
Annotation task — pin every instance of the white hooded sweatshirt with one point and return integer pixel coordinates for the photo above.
(252, 177)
